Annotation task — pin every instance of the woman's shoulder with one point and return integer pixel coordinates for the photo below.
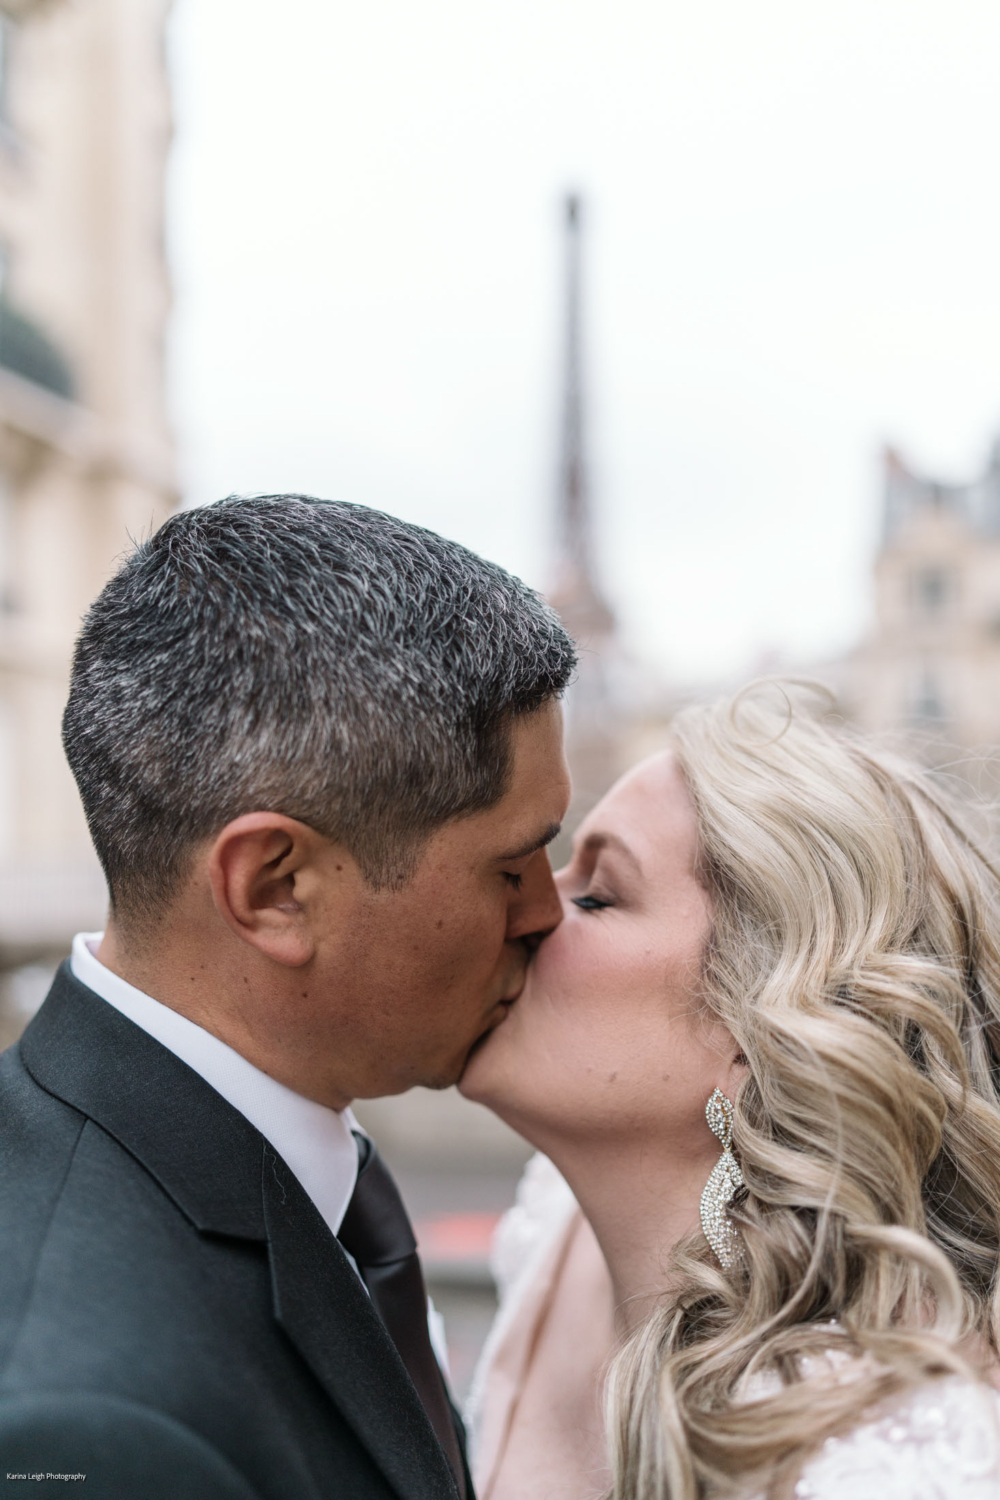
(524, 1262)
(541, 1211)
(942, 1443)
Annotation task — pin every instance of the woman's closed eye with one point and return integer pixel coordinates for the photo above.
(590, 903)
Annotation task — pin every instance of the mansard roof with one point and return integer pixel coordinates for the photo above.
(907, 493)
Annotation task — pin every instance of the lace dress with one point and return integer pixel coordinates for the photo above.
(943, 1443)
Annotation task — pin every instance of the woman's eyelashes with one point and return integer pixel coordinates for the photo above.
(590, 903)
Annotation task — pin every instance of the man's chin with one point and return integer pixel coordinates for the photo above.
(451, 1073)
(446, 1078)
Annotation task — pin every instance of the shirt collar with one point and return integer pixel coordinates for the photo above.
(314, 1140)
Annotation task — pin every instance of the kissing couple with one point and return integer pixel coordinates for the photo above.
(753, 1029)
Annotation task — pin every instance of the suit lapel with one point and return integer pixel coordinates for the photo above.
(228, 1180)
(328, 1315)
(203, 1152)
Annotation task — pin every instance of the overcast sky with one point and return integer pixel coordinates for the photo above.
(793, 250)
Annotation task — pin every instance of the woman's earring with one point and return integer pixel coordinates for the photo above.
(725, 1179)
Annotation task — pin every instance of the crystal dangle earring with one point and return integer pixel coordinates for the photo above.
(725, 1179)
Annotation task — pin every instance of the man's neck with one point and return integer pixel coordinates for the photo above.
(217, 986)
(170, 972)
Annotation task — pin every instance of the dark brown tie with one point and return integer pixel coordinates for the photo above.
(377, 1233)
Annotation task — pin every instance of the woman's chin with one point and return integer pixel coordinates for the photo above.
(483, 1075)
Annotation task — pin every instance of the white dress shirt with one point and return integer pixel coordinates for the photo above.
(313, 1139)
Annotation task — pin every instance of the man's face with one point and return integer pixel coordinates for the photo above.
(417, 976)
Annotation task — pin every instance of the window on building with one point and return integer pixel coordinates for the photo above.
(932, 589)
(929, 702)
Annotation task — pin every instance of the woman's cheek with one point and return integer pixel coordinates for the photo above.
(578, 954)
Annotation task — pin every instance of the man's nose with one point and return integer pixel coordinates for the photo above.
(536, 908)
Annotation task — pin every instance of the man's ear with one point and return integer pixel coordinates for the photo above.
(260, 869)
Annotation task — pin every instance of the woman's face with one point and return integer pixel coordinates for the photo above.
(609, 1038)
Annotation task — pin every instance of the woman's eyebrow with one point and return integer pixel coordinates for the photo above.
(533, 844)
(595, 842)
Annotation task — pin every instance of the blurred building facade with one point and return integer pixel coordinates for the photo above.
(930, 667)
(86, 454)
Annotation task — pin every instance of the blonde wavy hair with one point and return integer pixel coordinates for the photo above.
(855, 959)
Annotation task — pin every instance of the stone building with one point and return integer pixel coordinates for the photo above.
(930, 667)
(86, 453)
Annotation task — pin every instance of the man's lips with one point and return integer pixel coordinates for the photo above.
(500, 1009)
(515, 993)
(517, 963)
(503, 1006)
(493, 1023)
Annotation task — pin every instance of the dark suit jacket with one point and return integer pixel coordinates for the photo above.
(176, 1320)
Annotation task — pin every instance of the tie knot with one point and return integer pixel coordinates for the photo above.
(376, 1228)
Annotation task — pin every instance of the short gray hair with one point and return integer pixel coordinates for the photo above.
(318, 659)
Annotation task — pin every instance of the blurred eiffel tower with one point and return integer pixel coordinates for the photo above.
(593, 718)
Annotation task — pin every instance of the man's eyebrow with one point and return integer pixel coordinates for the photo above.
(533, 844)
